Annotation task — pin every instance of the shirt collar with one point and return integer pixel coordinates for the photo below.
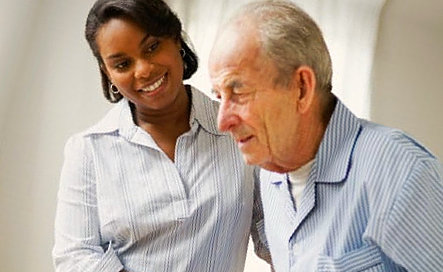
(204, 111)
(110, 122)
(333, 159)
(119, 118)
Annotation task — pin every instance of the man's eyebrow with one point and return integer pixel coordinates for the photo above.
(234, 83)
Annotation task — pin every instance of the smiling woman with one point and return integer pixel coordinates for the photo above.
(146, 70)
(154, 186)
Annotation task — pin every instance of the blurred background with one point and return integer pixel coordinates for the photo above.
(388, 65)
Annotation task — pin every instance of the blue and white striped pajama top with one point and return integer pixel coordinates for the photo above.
(373, 202)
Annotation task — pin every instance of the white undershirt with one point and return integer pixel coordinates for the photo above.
(297, 181)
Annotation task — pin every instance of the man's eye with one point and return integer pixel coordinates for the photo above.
(215, 94)
(236, 86)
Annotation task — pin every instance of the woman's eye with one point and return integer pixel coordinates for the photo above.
(121, 65)
(153, 46)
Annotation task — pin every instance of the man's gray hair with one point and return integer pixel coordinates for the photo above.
(291, 38)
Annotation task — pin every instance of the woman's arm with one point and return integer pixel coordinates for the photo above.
(257, 226)
(78, 245)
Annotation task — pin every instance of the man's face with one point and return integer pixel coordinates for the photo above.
(260, 113)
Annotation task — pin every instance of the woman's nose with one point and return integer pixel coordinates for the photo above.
(143, 69)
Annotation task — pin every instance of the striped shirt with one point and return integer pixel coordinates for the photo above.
(123, 204)
(373, 202)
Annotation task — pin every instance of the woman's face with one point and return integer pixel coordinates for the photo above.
(147, 70)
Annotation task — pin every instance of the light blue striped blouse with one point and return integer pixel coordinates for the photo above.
(123, 203)
(373, 202)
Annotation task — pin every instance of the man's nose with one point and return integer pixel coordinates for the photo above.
(227, 117)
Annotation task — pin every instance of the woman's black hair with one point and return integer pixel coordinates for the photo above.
(154, 16)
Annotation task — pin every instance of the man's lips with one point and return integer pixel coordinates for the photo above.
(244, 139)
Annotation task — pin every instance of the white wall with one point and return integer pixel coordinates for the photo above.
(49, 89)
(408, 70)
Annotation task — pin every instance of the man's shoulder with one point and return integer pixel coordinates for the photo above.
(385, 158)
(391, 142)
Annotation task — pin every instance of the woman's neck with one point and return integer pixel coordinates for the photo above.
(166, 126)
(178, 113)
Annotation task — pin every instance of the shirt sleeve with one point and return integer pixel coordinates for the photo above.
(413, 236)
(257, 227)
(78, 245)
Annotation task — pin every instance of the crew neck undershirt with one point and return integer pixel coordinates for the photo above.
(298, 180)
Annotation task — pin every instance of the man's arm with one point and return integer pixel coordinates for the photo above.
(413, 235)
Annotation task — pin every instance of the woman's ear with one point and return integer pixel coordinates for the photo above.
(304, 78)
(104, 71)
(179, 42)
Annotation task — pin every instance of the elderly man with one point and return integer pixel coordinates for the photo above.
(339, 193)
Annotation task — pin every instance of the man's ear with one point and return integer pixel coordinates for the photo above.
(304, 78)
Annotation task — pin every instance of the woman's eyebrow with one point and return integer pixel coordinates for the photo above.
(144, 39)
(115, 56)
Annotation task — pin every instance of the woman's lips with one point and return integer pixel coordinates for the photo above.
(152, 87)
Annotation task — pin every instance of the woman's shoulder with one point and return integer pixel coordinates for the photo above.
(205, 110)
(200, 96)
(110, 121)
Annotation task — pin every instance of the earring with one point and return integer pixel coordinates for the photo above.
(113, 89)
(182, 52)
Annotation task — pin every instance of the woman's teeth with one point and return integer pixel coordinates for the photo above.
(154, 86)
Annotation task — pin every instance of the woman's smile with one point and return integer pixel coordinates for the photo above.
(155, 87)
(147, 70)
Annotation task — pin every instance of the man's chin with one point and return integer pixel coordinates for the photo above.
(263, 161)
(267, 165)
(252, 159)
(249, 159)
